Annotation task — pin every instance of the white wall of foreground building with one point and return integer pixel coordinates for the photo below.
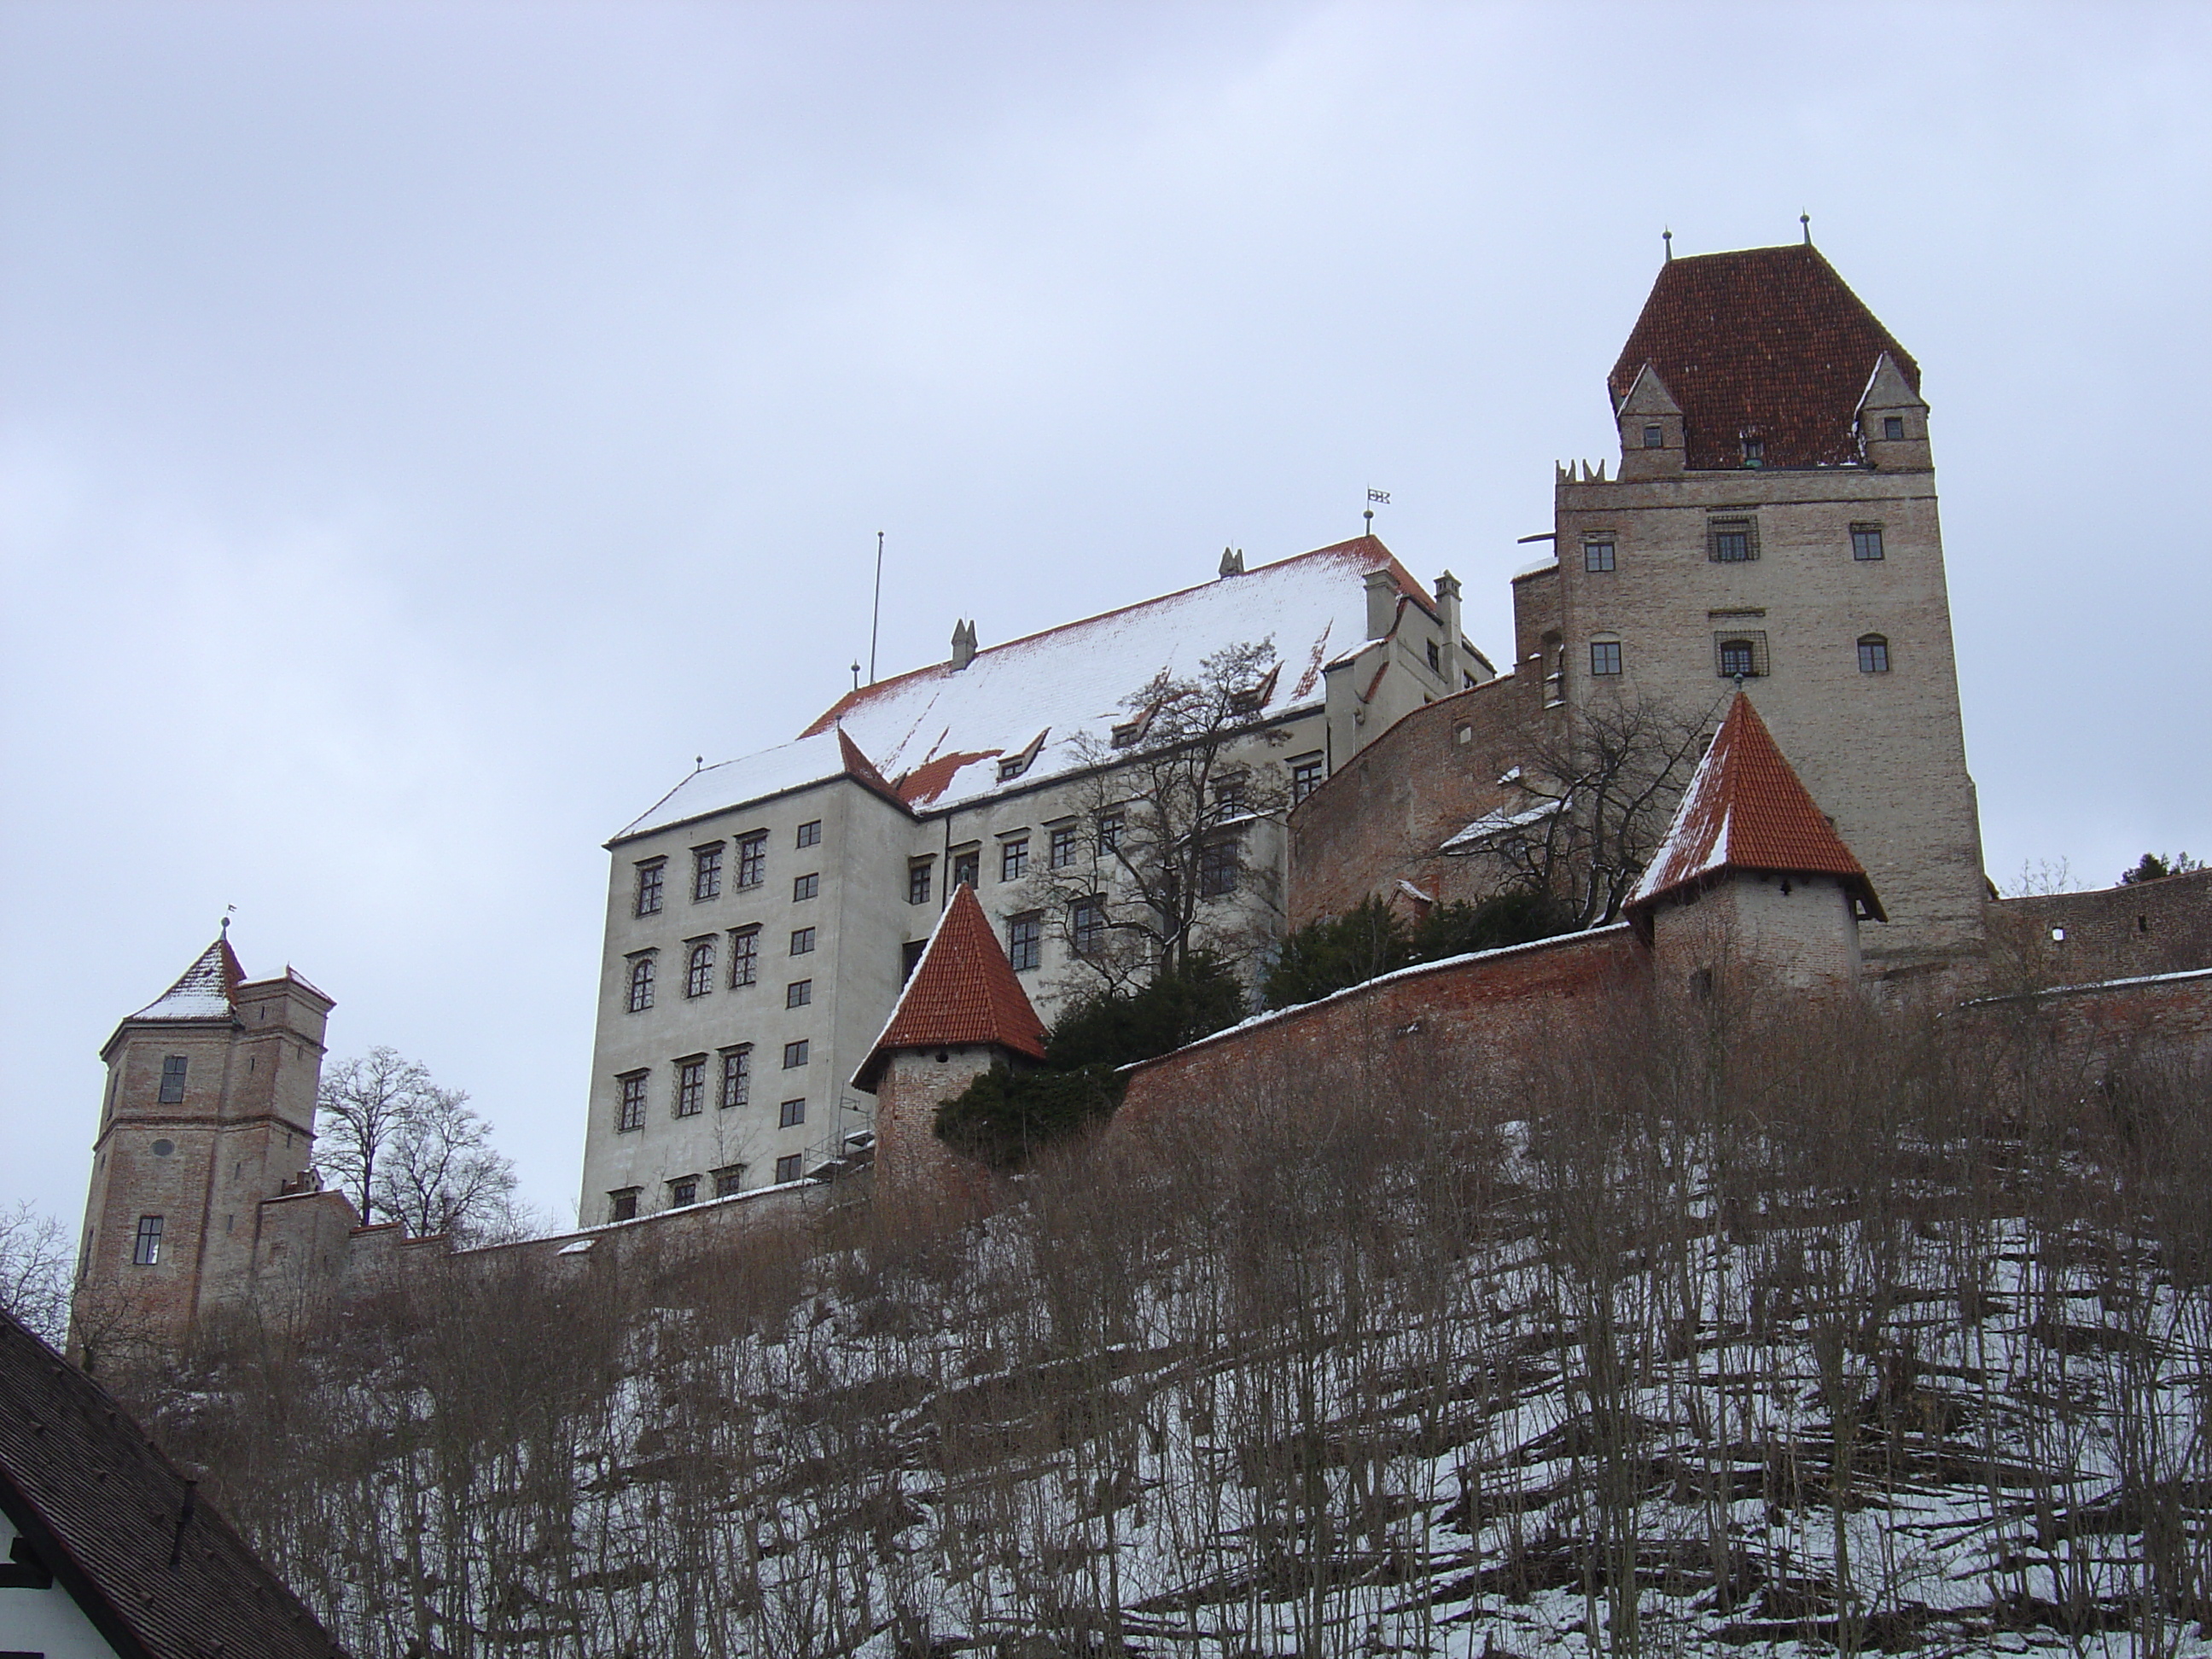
(45, 1621)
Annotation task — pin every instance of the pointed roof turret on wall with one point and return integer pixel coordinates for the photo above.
(962, 994)
(206, 990)
(1746, 809)
(1767, 342)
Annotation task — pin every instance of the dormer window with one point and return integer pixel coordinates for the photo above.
(1654, 437)
(1133, 731)
(1892, 428)
(1754, 450)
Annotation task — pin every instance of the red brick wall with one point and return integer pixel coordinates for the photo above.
(1380, 817)
(1462, 1027)
(2116, 932)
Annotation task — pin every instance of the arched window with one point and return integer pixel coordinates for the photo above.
(641, 985)
(1873, 654)
(699, 977)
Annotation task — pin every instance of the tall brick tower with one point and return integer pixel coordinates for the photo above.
(210, 1114)
(1773, 525)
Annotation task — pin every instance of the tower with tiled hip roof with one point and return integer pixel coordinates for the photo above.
(209, 1116)
(1772, 524)
(963, 1012)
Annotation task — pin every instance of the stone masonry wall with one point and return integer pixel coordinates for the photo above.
(2116, 932)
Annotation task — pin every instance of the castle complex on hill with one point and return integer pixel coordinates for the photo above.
(808, 947)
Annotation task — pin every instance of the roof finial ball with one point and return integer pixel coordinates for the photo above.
(1806, 220)
(1668, 237)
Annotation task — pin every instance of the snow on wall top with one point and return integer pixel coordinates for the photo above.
(204, 991)
(939, 733)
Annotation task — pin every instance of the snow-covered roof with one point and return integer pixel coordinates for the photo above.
(1492, 824)
(204, 991)
(814, 759)
(939, 732)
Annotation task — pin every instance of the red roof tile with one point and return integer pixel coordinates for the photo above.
(962, 992)
(1765, 339)
(1746, 809)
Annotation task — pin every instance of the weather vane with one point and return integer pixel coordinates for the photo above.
(1374, 498)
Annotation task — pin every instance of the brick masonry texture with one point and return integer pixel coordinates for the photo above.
(2115, 932)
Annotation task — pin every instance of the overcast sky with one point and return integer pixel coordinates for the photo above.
(424, 429)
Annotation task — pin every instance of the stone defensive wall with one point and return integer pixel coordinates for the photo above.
(2162, 926)
(1461, 1028)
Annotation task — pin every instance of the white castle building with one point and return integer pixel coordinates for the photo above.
(761, 916)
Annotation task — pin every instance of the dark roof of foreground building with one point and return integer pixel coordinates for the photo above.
(963, 992)
(154, 1568)
(1747, 809)
(1766, 341)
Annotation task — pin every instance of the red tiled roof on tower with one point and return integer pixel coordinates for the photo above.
(964, 994)
(1746, 809)
(1767, 342)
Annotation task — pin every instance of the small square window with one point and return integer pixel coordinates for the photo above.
(752, 859)
(1014, 858)
(681, 1191)
(691, 1087)
(174, 1067)
(706, 872)
(1737, 661)
(794, 1054)
(730, 1181)
(810, 833)
(1305, 776)
(744, 955)
(1866, 542)
(918, 872)
(631, 1113)
(1892, 428)
(967, 867)
(622, 1205)
(1873, 654)
(1731, 541)
(146, 1248)
(791, 1114)
(798, 994)
(1654, 437)
(1605, 656)
(1597, 553)
(802, 941)
(738, 1076)
(1025, 942)
(790, 1168)
(804, 888)
(649, 879)
(1061, 852)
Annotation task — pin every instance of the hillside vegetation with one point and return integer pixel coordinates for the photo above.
(1765, 1326)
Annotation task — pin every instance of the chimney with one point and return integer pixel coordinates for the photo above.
(1448, 611)
(964, 645)
(1232, 562)
(1381, 604)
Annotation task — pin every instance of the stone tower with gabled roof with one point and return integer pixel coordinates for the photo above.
(209, 1116)
(1773, 526)
(962, 1012)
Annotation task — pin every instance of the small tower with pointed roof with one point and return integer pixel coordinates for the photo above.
(209, 1113)
(962, 1012)
(1752, 879)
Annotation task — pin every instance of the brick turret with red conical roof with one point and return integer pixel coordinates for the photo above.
(1751, 871)
(962, 1012)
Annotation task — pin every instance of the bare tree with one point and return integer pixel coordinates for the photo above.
(440, 1173)
(35, 1271)
(1601, 790)
(408, 1150)
(1164, 862)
